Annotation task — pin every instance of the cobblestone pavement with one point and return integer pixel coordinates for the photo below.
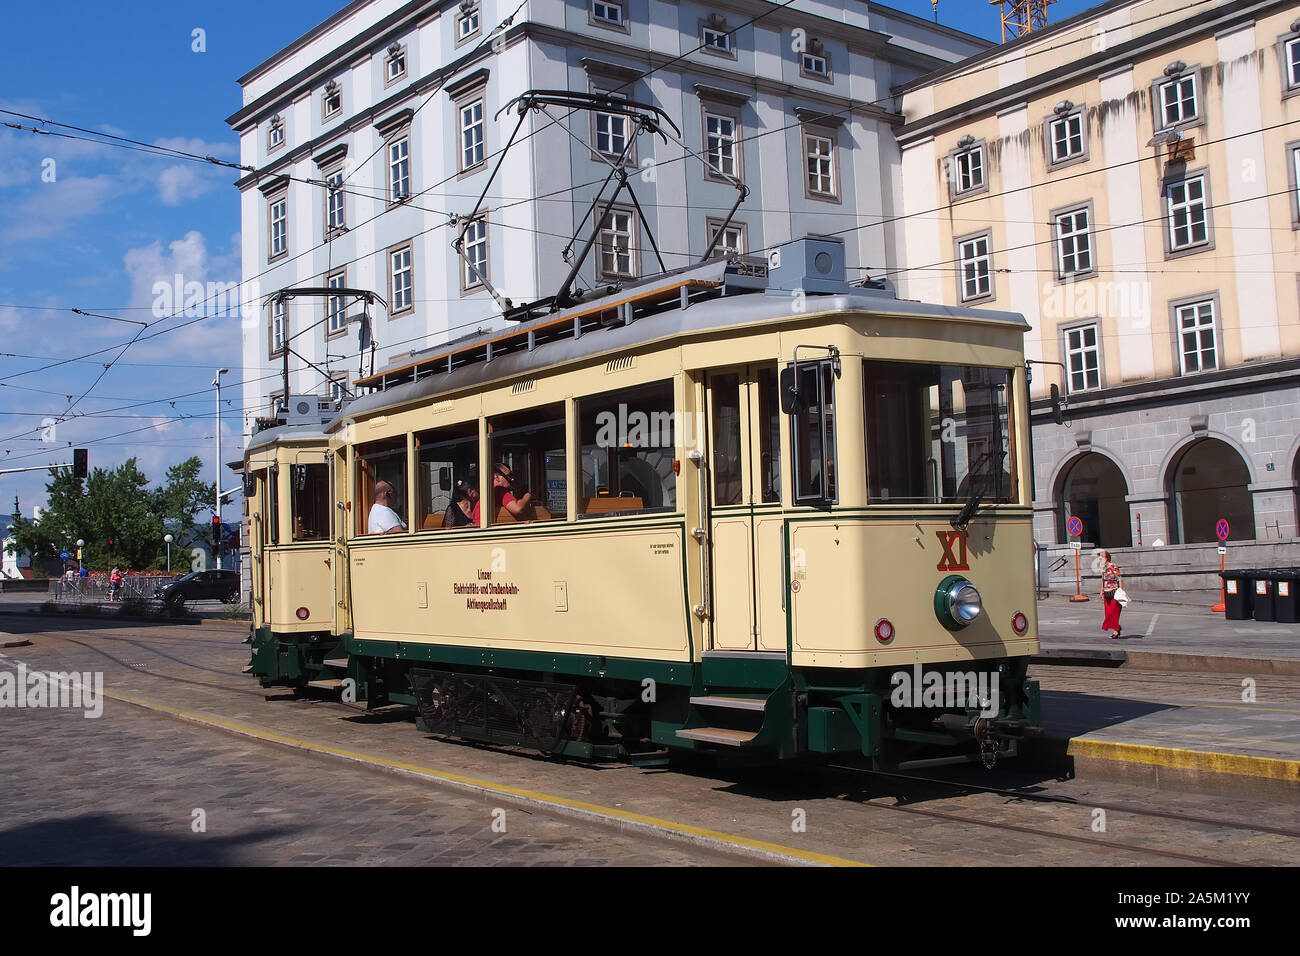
(145, 772)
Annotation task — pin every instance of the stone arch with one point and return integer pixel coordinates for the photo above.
(1208, 477)
(1093, 486)
(1057, 480)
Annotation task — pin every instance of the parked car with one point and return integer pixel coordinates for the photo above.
(200, 586)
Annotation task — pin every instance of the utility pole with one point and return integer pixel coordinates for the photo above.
(216, 484)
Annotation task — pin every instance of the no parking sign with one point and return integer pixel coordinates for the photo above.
(1221, 529)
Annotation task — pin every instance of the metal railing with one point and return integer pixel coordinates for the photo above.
(95, 589)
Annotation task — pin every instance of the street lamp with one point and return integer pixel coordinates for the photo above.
(168, 539)
(216, 485)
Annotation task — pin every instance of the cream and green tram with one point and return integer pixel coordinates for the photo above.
(769, 516)
(292, 554)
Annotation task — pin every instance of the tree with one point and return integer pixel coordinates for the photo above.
(116, 505)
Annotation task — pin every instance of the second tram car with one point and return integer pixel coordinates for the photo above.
(765, 515)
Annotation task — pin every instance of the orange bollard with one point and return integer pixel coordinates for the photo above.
(1223, 597)
(1078, 589)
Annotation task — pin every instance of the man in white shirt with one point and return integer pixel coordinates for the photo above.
(383, 519)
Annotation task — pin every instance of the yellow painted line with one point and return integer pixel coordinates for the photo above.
(1243, 765)
(682, 829)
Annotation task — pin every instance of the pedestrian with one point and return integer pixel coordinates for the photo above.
(1110, 583)
(114, 584)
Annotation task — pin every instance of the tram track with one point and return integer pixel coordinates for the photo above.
(1090, 840)
(134, 667)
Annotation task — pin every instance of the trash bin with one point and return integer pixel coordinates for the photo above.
(1286, 600)
(1236, 595)
(1263, 592)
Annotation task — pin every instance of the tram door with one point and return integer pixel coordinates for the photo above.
(743, 453)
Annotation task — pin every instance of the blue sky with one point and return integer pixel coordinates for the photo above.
(93, 227)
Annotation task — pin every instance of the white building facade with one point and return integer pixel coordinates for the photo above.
(373, 131)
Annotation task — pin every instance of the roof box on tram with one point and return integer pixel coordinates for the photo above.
(814, 265)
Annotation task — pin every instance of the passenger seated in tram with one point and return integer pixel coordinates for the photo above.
(383, 519)
(463, 510)
(503, 495)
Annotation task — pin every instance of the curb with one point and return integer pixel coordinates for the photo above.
(1172, 767)
(1165, 661)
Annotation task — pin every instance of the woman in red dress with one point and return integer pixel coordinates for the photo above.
(1110, 583)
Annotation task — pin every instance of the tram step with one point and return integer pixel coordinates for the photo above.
(719, 735)
(333, 683)
(732, 703)
(340, 663)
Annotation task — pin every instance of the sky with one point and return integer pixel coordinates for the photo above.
(94, 227)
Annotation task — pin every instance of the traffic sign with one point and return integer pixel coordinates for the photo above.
(1077, 545)
(1074, 526)
(1221, 529)
(65, 555)
(1222, 550)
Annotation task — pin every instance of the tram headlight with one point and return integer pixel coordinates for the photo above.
(957, 602)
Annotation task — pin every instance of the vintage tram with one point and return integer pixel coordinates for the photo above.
(748, 511)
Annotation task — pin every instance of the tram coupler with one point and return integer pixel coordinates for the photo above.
(1002, 728)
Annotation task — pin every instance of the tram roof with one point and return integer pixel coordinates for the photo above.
(283, 435)
(731, 310)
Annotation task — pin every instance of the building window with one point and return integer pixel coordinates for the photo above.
(605, 11)
(1176, 101)
(1293, 173)
(401, 281)
(1291, 63)
(819, 154)
(975, 265)
(720, 138)
(279, 225)
(336, 306)
(471, 134)
(1196, 336)
(275, 135)
(338, 389)
(399, 169)
(395, 65)
(476, 252)
(1188, 211)
(732, 241)
(467, 22)
(1082, 358)
(331, 100)
(716, 39)
(610, 132)
(334, 208)
(279, 323)
(816, 65)
(1073, 243)
(617, 251)
(1065, 138)
(968, 169)
(277, 404)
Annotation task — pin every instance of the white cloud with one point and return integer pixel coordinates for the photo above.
(52, 207)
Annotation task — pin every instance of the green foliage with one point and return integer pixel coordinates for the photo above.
(117, 504)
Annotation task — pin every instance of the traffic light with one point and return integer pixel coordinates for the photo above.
(80, 463)
(216, 532)
(112, 543)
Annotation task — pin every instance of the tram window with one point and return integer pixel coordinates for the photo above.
(447, 465)
(769, 434)
(530, 445)
(938, 434)
(628, 444)
(273, 502)
(383, 461)
(724, 436)
(813, 434)
(309, 495)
